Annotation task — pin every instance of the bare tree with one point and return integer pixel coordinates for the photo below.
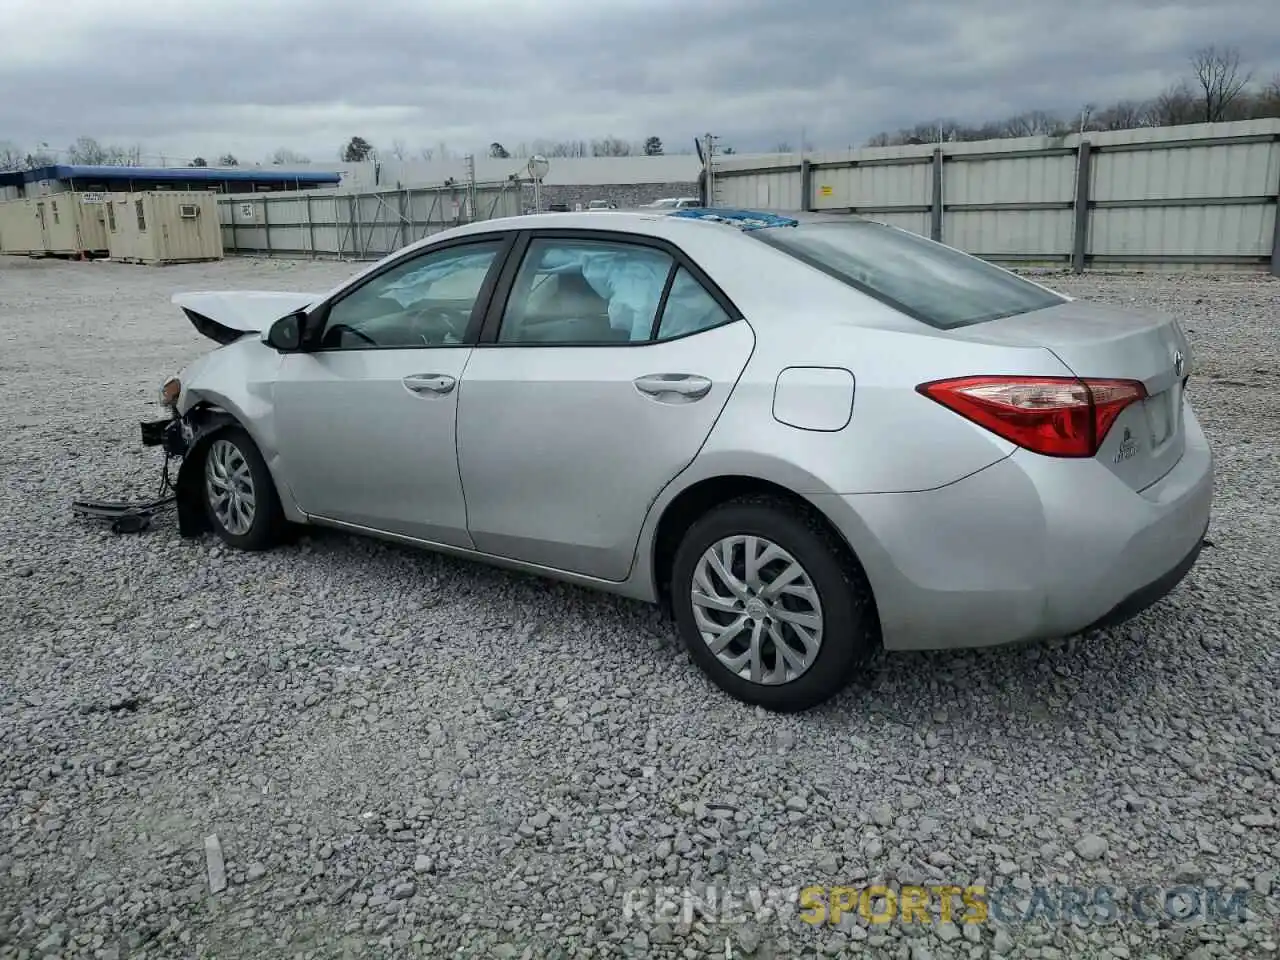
(1220, 80)
(1176, 106)
(400, 150)
(286, 157)
(1123, 115)
(1034, 123)
(427, 153)
(561, 148)
(1267, 103)
(11, 157)
(610, 147)
(86, 151)
(125, 156)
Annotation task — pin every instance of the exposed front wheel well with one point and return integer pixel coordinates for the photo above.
(693, 503)
(209, 422)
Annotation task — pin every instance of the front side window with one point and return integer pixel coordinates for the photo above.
(141, 215)
(585, 292)
(933, 283)
(424, 302)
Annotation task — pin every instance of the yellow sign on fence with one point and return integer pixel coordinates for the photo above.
(825, 191)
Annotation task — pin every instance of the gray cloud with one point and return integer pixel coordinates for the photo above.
(307, 74)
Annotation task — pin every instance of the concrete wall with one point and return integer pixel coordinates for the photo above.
(1203, 195)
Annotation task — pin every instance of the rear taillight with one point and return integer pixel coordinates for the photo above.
(1055, 416)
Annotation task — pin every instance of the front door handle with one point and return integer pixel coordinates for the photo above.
(429, 383)
(673, 387)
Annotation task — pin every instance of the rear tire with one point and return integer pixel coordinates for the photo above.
(239, 495)
(792, 628)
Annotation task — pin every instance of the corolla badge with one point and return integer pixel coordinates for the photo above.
(1128, 447)
(1179, 363)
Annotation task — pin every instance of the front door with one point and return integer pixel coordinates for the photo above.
(366, 419)
(589, 397)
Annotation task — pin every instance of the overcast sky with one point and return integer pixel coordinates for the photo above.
(250, 76)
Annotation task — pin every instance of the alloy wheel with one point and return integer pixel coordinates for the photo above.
(229, 487)
(757, 609)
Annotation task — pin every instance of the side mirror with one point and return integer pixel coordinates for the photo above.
(285, 334)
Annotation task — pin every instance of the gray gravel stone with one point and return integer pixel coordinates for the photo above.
(530, 753)
(1091, 847)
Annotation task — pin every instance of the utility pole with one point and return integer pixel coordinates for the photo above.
(471, 186)
(708, 154)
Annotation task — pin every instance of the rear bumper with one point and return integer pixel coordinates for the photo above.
(1152, 593)
(1029, 548)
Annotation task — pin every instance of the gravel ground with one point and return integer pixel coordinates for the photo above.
(403, 755)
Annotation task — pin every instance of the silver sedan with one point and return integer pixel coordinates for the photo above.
(807, 437)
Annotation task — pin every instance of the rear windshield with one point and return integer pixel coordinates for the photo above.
(933, 283)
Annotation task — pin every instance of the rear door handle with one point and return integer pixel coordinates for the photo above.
(429, 383)
(673, 387)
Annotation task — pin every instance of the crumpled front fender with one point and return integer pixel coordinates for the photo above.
(188, 438)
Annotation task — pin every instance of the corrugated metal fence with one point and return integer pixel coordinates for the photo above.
(355, 226)
(1204, 195)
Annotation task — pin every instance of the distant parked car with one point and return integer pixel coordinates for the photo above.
(602, 205)
(673, 203)
(806, 435)
(558, 208)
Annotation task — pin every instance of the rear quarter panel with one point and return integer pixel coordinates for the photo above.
(896, 440)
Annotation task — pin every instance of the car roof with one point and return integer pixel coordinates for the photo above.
(649, 220)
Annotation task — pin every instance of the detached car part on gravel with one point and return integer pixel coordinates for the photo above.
(807, 436)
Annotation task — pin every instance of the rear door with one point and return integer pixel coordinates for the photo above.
(602, 367)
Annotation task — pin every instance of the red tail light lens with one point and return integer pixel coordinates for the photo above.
(1055, 416)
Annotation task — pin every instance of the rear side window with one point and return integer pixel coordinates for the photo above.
(932, 283)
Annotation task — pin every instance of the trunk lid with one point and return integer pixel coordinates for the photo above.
(1099, 341)
(227, 315)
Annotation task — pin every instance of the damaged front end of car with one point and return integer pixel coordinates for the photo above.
(199, 401)
(183, 437)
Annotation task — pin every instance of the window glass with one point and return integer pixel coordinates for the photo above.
(935, 284)
(585, 291)
(425, 302)
(689, 308)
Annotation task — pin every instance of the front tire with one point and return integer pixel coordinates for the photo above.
(239, 495)
(771, 605)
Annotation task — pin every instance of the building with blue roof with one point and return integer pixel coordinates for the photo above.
(62, 178)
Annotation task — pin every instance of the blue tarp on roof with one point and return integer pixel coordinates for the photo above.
(746, 219)
(210, 174)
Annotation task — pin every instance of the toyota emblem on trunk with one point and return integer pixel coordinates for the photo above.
(1179, 363)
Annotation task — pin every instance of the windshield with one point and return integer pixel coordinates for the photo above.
(928, 281)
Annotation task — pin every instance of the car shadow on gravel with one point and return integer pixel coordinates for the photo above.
(1065, 683)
